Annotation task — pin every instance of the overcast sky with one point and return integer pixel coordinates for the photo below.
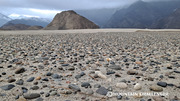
(48, 8)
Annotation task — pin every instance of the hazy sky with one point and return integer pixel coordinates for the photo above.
(48, 8)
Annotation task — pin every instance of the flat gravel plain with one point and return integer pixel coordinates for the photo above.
(89, 66)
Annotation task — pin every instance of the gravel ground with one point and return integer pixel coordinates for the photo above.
(88, 65)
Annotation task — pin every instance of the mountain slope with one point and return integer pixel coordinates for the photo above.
(70, 20)
(170, 22)
(3, 19)
(141, 14)
(31, 21)
(98, 16)
(11, 26)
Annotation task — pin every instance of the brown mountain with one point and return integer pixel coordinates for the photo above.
(170, 22)
(11, 26)
(70, 20)
(35, 28)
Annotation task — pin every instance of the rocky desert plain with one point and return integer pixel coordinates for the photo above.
(90, 65)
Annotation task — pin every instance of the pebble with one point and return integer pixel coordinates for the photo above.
(177, 71)
(102, 91)
(53, 93)
(56, 76)
(19, 70)
(119, 97)
(39, 99)
(158, 98)
(11, 80)
(110, 72)
(97, 86)
(86, 84)
(48, 74)
(34, 88)
(89, 91)
(132, 72)
(100, 74)
(7, 87)
(156, 88)
(115, 67)
(21, 99)
(74, 87)
(162, 84)
(31, 95)
(24, 89)
(138, 86)
(121, 85)
(38, 78)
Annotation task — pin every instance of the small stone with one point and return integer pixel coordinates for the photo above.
(24, 89)
(110, 88)
(38, 78)
(74, 87)
(53, 93)
(97, 86)
(19, 82)
(156, 88)
(48, 74)
(119, 97)
(7, 87)
(19, 70)
(31, 95)
(157, 98)
(45, 79)
(3, 73)
(82, 74)
(78, 76)
(100, 74)
(137, 86)
(21, 99)
(56, 76)
(102, 91)
(138, 62)
(34, 88)
(11, 80)
(85, 84)
(65, 65)
(144, 69)
(121, 85)
(115, 67)
(177, 71)
(132, 72)
(30, 79)
(89, 92)
(110, 72)
(39, 99)
(47, 95)
(162, 84)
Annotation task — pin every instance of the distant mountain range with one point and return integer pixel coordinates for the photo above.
(32, 21)
(143, 15)
(4, 19)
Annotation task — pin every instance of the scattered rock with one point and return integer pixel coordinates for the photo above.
(158, 98)
(31, 95)
(121, 85)
(7, 87)
(19, 82)
(156, 88)
(85, 84)
(102, 91)
(19, 70)
(30, 79)
(132, 72)
(100, 74)
(138, 86)
(74, 87)
(162, 84)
